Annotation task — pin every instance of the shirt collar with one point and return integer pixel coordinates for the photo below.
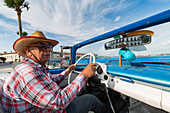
(33, 63)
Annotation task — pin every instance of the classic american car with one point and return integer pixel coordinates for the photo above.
(126, 81)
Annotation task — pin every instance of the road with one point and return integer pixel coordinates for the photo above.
(6, 67)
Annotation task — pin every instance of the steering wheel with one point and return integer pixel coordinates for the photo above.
(88, 54)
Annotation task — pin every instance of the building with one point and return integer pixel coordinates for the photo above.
(11, 57)
(14, 57)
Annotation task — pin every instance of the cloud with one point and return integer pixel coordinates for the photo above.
(117, 18)
(74, 18)
(79, 19)
(166, 43)
(7, 11)
(70, 21)
(6, 26)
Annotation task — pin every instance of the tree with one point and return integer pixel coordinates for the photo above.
(17, 5)
(23, 33)
(3, 59)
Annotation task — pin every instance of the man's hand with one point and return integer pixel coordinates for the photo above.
(89, 71)
(70, 68)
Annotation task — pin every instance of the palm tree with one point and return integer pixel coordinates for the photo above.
(17, 5)
(23, 33)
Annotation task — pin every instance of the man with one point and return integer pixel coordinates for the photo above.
(31, 88)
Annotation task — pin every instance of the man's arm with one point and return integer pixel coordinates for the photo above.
(42, 92)
(38, 89)
(59, 77)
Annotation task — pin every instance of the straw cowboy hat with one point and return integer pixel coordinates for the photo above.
(38, 36)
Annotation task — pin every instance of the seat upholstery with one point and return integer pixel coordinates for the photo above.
(1, 85)
(2, 80)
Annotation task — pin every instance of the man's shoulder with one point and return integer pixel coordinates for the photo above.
(23, 67)
(24, 71)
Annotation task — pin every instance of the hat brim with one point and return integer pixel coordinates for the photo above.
(21, 43)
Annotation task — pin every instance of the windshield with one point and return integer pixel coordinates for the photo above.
(159, 45)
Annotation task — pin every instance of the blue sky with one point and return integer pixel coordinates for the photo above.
(72, 21)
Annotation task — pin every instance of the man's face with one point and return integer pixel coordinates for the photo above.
(42, 51)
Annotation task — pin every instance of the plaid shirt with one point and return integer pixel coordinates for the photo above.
(31, 88)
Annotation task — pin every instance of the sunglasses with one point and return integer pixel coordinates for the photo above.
(44, 47)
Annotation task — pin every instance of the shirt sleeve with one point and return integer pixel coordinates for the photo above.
(38, 89)
(58, 77)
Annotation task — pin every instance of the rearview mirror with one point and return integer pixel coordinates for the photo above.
(130, 41)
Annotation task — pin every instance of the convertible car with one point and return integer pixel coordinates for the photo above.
(128, 83)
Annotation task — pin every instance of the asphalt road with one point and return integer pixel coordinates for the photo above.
(6, 67)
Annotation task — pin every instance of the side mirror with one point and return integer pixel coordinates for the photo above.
(130, 41)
